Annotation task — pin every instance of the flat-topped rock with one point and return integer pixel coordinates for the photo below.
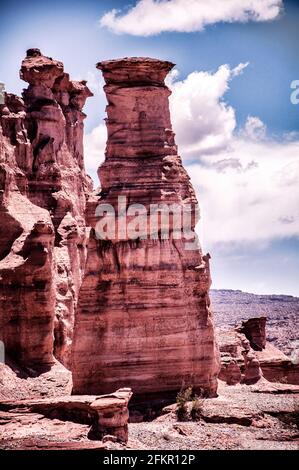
(135, 71)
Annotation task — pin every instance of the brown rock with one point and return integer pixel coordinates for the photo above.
(255, 331)
(27, 295)
(112, 414)
(239, 363)
(223, 411)
(107, 414)
(277, 367)
(18, 383)
(144, 317)
(44, 190)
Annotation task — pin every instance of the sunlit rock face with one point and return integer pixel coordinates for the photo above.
(43, 196)
(144, 318)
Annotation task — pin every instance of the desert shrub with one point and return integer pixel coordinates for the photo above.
(196, 409)
(182, 399)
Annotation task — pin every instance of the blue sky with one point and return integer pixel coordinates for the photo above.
(264, 257)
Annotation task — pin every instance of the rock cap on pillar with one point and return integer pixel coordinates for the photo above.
(135, 71)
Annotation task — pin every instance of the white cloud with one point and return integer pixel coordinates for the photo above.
(254, 198)
(202, 120)
(246, 182)
(94, 150)
(255, 129)
(149, 17)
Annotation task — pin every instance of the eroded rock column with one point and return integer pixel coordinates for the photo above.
(144, 318)
(44, 189)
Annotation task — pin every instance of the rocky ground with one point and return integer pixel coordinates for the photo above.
(17, 383)
(263, 416)
(37, 410)
(231, 307)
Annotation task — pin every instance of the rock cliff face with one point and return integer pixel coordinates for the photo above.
(144, 317)
(43, 195)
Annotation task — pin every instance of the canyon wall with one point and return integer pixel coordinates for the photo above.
(43, 196)
(144, 318)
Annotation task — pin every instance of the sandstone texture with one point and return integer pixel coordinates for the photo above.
(139, 305)
(242, 417)
(277, 366)
(246, 356)
(65, 422)
(43, 197)
(239, 363)
(255, 331)
(19, 383)
(232, 307)
(144, 318)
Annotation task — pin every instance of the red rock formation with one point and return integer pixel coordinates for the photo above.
(246, 356)
(106, 416)
(239, 363)
(277, 366)
(44, 188)
(144, 317)
(27, 295)
(255, 331)
(112, 414)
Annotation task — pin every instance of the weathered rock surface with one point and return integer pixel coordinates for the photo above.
(144, 317)
(43, 196)
(17, 383)
(277, 367)
(64, 420)
(255, 331)
(239, 418)
(232, 307)
(112, 414)
(239, 363)
(246, 356)
(27, 288)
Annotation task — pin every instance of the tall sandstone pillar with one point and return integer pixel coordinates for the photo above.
(144, 318)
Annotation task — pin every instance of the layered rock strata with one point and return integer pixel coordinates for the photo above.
(239, 363)
(275, 365)
(43, 196)
(246, 356)
(144, 318)
(106, 416)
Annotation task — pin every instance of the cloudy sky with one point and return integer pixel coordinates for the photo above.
(237, 130)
